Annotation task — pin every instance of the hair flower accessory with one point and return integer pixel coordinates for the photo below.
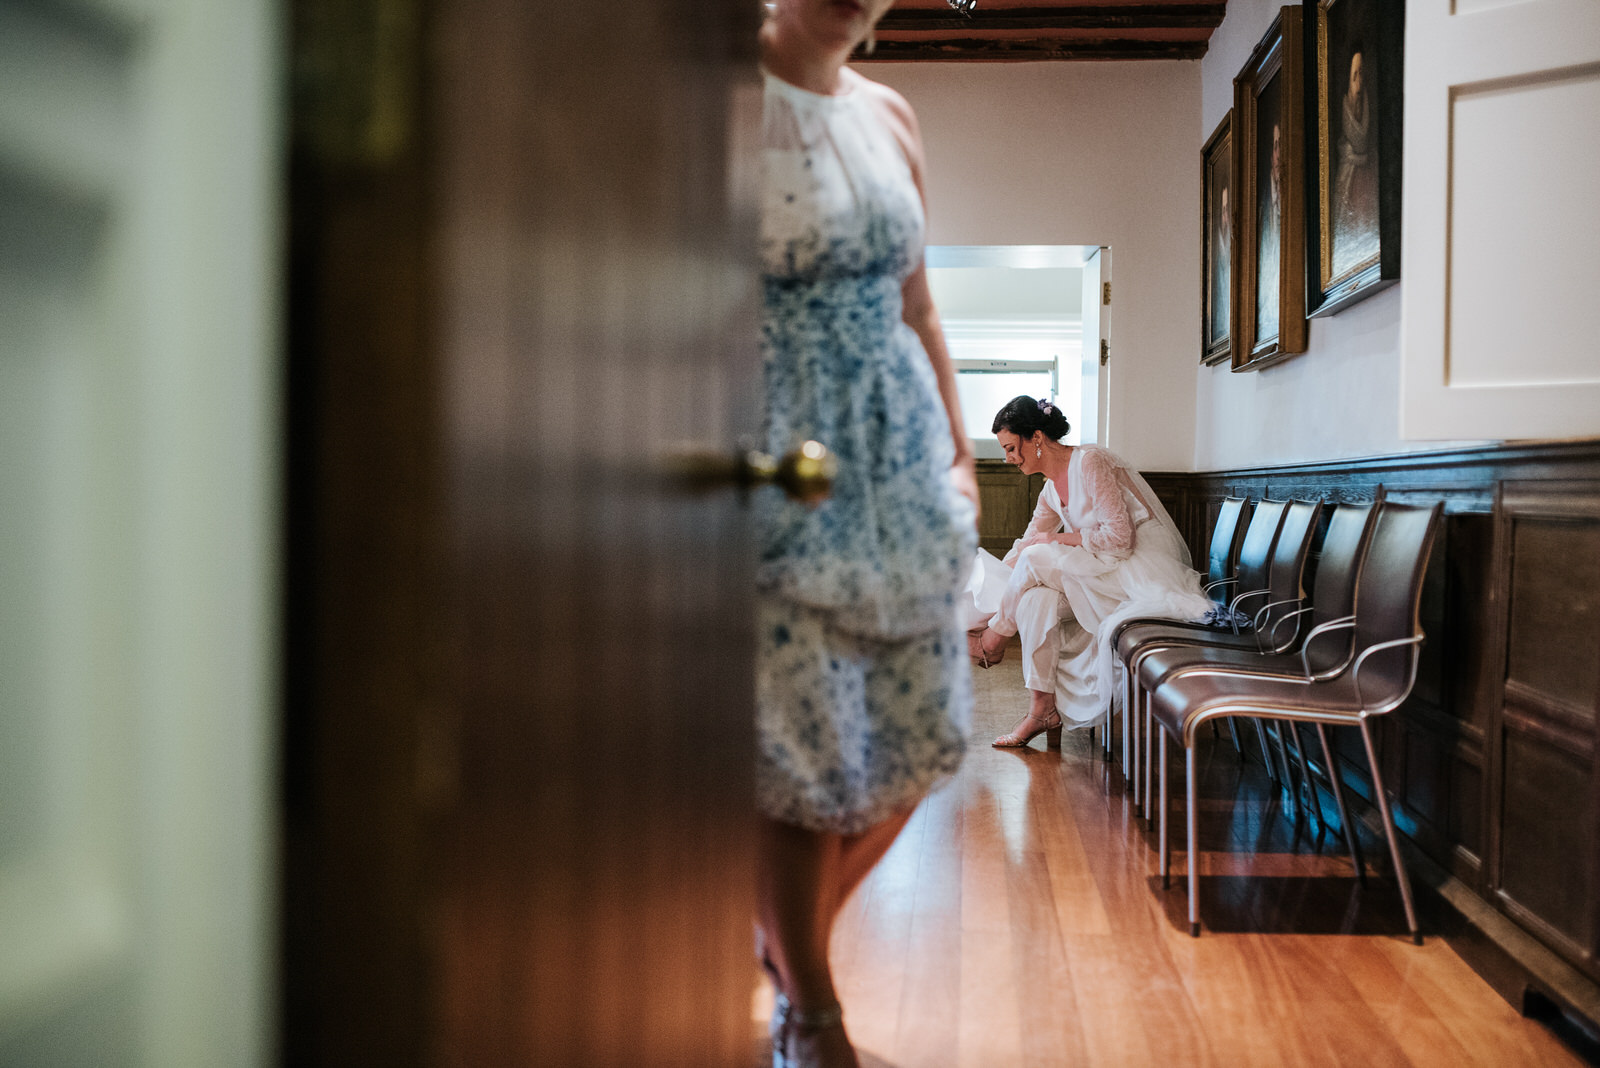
(1045, 406)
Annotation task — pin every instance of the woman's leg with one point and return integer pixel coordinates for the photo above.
(798, 871)
(860, 853)
(806, 877)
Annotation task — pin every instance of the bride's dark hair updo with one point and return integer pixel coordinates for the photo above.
(1023, 415)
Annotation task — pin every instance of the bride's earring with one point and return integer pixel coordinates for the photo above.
(1038, 452)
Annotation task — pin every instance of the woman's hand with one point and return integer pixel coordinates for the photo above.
(1070, 537)
(965, 476)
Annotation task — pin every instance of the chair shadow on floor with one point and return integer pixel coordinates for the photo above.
(1295, 904)
(1283, 870)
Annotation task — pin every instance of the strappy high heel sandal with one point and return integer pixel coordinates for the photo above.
(975, 650)
(800, 1023)
(1050, 726)
(777, 1028)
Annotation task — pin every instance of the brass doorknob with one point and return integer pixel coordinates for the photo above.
(805, 473)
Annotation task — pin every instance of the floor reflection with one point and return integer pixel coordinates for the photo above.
(1020, 920)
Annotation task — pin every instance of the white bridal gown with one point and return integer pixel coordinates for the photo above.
(1067, 600)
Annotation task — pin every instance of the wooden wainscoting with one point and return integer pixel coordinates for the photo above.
(1492, 761)
(1006, 497)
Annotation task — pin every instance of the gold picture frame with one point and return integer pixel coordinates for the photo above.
(1269, 174)
(1358, 49)
(1217, 273)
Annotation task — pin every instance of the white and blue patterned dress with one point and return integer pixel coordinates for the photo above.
(863, 685)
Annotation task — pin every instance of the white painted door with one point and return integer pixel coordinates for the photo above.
(1097, 355)
(137, 281)
(1502, 145)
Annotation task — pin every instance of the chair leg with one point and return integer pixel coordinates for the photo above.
(1288, 771)
(1311, 783)
(1129, 715)
(1130, 759)
(1111, 719)
(1266, 751)
(1192, 818)
(1233, 732)
(1351, 839)
(1388, 829)
(1166, 809)
(1151, 729)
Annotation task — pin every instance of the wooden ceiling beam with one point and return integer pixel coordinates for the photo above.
(1125, 17)
(1040, 49)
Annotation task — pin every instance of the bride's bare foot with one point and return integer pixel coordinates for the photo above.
(987, 647)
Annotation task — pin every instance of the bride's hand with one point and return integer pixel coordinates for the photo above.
(965, 476)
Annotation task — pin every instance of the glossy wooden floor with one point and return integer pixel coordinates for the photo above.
(1019, 921)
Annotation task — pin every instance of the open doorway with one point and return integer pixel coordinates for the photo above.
(1024, 319)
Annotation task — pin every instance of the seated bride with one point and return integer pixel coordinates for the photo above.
(1100, 549)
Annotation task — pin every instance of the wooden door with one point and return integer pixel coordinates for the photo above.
(518, 766)
(1095, 393)
(1500, 153)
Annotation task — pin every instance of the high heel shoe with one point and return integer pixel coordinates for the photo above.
(803, 1024)
(1050, 726)
(975, 650)
(777, 1029)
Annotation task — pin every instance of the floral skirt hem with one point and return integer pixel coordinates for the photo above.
(851, 731)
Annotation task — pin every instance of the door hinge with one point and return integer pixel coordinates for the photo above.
(1105, 292)
(1105, 351)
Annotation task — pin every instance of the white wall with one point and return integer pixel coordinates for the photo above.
(140, 359)
(1082, 154)
(1339, 398)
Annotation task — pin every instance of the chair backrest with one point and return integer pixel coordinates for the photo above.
(1338, 568)
(1288, 568)
(1389, 597)
(1226, 537)
(1255, 557)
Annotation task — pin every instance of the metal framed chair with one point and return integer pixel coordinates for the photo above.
(1222, 566)
(1371, 682)
(1249, 581)
(1327, 642)
(1275, 627)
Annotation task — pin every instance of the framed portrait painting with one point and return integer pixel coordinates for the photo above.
(1216, 254)
(1269, 176)
(1357, 48)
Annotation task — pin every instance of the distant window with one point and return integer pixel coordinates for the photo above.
(986, 385)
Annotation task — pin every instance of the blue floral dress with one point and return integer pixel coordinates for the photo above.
(863, 690)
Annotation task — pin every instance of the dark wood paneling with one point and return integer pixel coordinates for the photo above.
(1547, 830)
(1546, 674)
(1555, 612)
(1007, 498)
(1492, 759)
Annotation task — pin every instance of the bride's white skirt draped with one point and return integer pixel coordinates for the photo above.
(1067, 602)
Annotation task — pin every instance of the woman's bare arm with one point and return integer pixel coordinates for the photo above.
(918, 310)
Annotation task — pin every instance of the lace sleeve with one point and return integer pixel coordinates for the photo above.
(1046, 520)
(1111, 530)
